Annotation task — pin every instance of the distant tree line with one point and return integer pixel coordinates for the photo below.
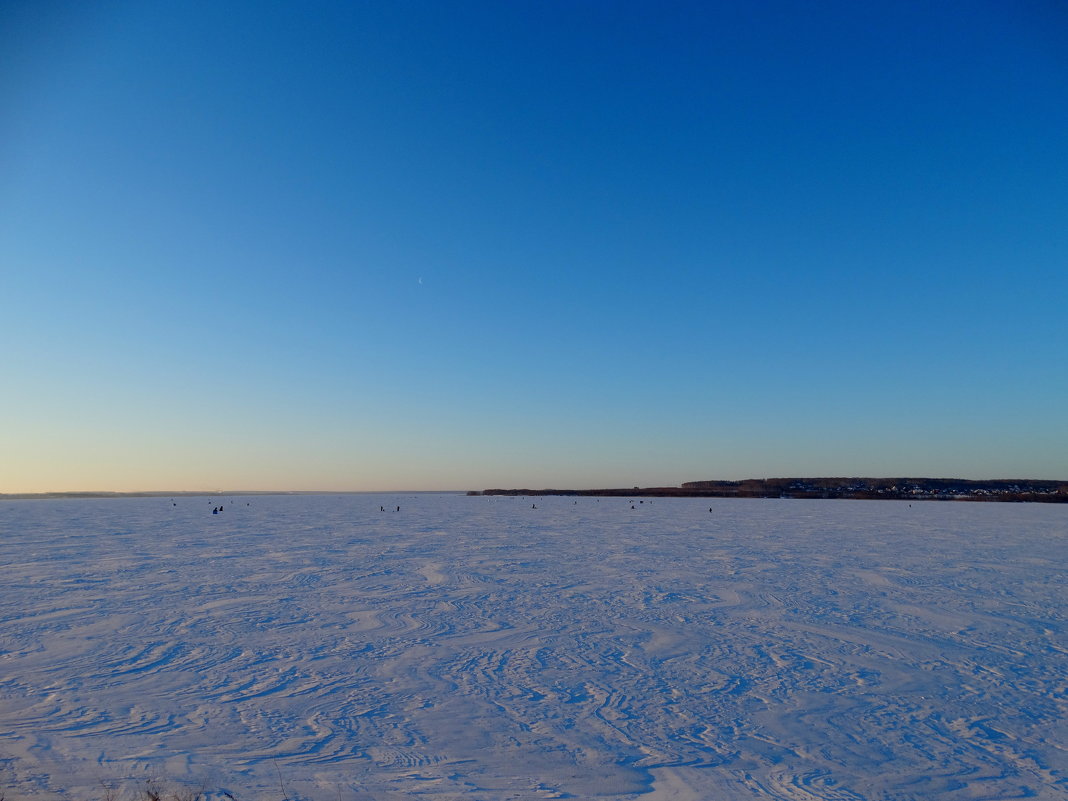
(860, 488)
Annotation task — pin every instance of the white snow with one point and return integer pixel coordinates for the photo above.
(476, 648)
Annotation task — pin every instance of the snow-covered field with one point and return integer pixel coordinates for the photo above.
(477, 648)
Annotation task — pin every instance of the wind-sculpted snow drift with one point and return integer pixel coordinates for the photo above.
(479, 648)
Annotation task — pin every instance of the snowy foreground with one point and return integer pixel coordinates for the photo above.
(475, 648)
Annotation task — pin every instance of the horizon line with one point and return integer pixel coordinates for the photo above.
(207, 492)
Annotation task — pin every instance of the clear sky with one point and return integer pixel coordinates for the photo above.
(458, 245)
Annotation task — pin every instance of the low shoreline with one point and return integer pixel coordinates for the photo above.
(892, 489)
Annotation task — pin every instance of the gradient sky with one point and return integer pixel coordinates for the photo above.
(458, 245)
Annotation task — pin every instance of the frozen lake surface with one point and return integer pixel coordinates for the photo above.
(476, 648)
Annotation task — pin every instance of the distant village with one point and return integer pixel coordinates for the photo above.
(935, 489)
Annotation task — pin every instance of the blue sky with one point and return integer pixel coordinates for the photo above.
(436, 245)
